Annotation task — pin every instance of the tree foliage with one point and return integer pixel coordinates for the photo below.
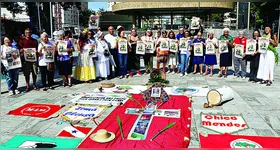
(13, 7)
(101, 10)
(218, 17)
(84, 17)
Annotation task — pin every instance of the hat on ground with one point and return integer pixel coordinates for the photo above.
(103, 136)
(119, 27)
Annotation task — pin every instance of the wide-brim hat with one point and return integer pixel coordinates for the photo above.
(103, 136)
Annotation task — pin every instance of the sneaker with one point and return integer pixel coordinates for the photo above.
(121, 77)
(138, 74)
(186, 73)
(130, 74)
(181, 75)
(173, 72)
(168, 71)
(17, 92)
(11, 93)
(243, 78)
(127, 75)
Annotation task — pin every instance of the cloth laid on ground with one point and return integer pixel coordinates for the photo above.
(238, 141)
(176, 137)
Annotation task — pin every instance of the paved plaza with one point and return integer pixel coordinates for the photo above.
(258, 104)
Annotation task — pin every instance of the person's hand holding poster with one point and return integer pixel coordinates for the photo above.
(210, 48)
(122, 46)
(184, 44)
(263, 45)
(30, 54)
(140, 48)
(251, 46)
(150, 47)
(173, 46)
(223, 48)
(198, 49)
(164, 44)
(239, 50)
(13, 59)
(62, 47)
(92, 50)
(49, 54)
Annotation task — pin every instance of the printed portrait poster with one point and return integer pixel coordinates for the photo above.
(223, 47)
(62, 47)
(183, 44)
(30, 54)
(49, 54)
(239, 49)
(198, 49)
(263, 45)
(150, 47)
(210, 47)
(195, 23)
(92, 50)
(140, 48)
(173, 46)
(13, 58)
(93, 22)
(251, 47)
(164, 44)
(122, 46)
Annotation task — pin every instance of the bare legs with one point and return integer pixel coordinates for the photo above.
(221, 71)
(195, 67)
(206, 71)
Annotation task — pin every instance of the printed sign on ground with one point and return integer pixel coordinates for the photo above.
(223, 123)
(82, 112)
(22, 141)
(35, 110)
(74, 131)
(100, 99)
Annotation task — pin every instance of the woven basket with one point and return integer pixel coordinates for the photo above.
(107, 85)
(156, 72)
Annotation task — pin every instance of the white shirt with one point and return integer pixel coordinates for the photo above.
(3, 51)
(41, 58)
(111, 39)
(101, 47)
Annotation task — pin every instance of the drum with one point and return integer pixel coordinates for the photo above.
(217, 96)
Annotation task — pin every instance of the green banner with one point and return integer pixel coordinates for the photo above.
(22, 141)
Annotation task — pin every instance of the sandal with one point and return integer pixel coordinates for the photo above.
(220, 75)
(225, 75)
(70, 84)
(27, 90)
(211, 75)
(268, 83)
(17, 91)
(35, 88)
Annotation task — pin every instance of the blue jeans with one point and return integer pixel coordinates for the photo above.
(184, 63)
(123, 63)
(12, 79)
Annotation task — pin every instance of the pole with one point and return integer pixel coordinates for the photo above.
(78, 19)
(237, 16)
(51, 18)
(248, 25)
(38, 3)
(278, 24)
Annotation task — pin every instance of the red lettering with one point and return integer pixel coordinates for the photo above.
(215, 124)
(244, 125)
(216, 117)
(237, 125)
(206, 123)
(208, 117)
(222, 124)
(233, 118)
(229, 124)
(226, 118)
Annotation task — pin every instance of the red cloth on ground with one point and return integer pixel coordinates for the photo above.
(224, 140)
(171, 138)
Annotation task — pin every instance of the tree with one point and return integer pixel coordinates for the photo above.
(84, 16)
(13, 7)
(218, 17)
(101, 10)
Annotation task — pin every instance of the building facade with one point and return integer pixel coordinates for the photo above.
(65, 19)
(170, 15)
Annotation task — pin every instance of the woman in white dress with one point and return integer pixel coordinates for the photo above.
(103, 62)
(268, 59)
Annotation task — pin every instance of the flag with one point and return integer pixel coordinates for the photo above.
(76, 132)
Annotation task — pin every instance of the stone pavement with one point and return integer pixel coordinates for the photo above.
(258, 104)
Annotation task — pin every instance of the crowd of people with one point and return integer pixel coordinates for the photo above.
(107, 61)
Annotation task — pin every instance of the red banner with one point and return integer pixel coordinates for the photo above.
(174, 137)
(238, 141)
(35, 110)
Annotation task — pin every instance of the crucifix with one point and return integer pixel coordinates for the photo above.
(141, 126)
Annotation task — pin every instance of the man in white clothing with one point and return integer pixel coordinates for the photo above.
(111, 38)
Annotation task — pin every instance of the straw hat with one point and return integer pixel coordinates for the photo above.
(103, 136)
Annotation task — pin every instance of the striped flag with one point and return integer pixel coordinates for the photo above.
(75, 132)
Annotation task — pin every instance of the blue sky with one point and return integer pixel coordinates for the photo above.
(96, 5)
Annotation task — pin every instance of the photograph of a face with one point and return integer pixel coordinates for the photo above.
(30, 54)
(251, 47)
(239, 51)
(156, 92)
(223, 46)
(263, 45)
(122, 46)
(140, 48)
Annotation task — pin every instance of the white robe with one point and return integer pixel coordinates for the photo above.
(266, 66)
(102, 64)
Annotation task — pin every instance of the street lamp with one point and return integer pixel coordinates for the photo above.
(278, 9)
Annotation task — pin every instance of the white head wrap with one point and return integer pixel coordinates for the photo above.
(98, 34)
(44, 34)
(226, 29)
